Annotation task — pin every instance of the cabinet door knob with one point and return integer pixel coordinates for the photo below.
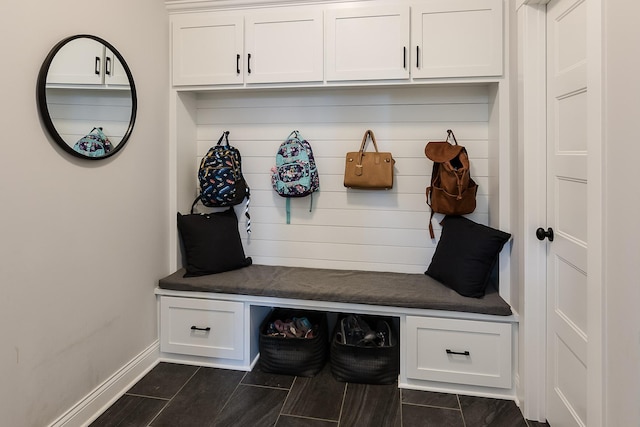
(404, 57)
(541, 234)
(249, 63)
(97, 65)
(107, 66)
(195, 328)
(417, 56)
(238, 63)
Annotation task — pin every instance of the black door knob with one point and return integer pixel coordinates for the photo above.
(541, 234)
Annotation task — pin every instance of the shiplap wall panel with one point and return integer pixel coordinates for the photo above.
(383, 230)
(408, 184)
(75, 112)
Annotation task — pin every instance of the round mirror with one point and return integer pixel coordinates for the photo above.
(86, 97)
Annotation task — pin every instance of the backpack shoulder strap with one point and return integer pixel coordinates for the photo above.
(434, 175)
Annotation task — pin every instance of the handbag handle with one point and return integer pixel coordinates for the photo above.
(225, 135)
(369, 132)
(364, 140)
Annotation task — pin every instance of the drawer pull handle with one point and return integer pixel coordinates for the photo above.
(195, 328)
(461, 353)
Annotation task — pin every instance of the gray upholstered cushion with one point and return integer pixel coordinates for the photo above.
(347, 286)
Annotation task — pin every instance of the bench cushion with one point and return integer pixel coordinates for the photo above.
(344, 286)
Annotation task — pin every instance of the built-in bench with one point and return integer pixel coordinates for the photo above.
(341, 286)
(448, 342)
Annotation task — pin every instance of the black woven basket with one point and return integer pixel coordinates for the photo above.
(368, 365)
(303, 357)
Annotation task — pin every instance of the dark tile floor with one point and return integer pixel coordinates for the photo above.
(175, 395)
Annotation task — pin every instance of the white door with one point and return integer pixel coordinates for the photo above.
(567, 213)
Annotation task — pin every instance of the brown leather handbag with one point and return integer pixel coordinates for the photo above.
(369, 170)
(452, 191)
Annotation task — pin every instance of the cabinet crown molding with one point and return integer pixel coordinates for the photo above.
(191, 5)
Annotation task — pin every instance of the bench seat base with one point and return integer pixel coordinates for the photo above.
(214, 321)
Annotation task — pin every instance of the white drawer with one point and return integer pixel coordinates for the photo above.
(202, 327)
(459, 351)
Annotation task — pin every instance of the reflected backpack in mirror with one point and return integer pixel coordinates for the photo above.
(94, 144)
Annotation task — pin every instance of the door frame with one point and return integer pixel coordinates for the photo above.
(531, 47)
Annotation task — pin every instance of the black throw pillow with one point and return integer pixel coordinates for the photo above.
(211, 242)
(465, 255)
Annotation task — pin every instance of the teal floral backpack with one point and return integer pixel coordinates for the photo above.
(295, 173)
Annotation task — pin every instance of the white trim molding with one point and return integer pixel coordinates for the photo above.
(532, 126)
(596, 295)
(103, 396)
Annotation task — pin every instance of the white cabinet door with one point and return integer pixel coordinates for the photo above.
(367, 43)
(284, 47)
(200, 327)
(81, 61)
(207, 49)
(458, 351)
(457, 38)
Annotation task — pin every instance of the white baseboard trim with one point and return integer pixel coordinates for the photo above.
(91, 406)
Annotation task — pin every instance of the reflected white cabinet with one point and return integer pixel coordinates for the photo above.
(211, 48)
(84, 61)
(370, 43)
(457, 38)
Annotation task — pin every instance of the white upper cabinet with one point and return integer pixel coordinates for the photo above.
(257, 47)
(286, 46)
(457, 38)
(370, 43)
(84, 61)
(329, 44)
(207, 49)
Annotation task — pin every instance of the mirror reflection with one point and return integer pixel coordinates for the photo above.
(87, 97)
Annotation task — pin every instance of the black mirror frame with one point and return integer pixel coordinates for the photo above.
(44, 109)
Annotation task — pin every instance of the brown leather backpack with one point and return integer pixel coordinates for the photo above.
(452, 191)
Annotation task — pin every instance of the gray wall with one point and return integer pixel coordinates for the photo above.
(82, 243)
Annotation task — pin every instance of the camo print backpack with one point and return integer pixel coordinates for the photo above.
(220, 177)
